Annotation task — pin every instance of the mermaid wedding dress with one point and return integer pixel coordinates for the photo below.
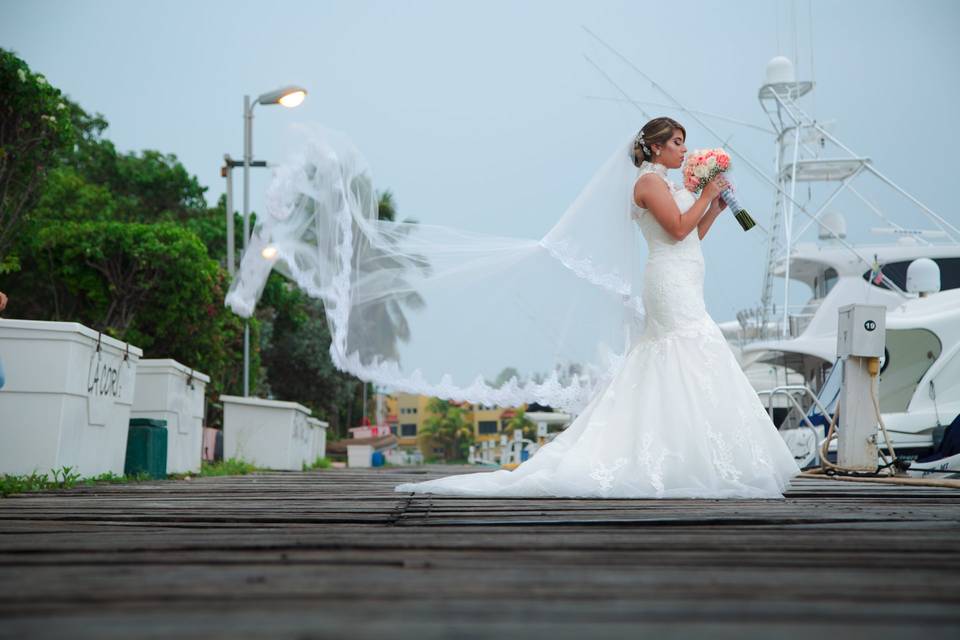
(678, 420)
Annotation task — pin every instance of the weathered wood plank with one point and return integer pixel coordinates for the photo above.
(314, 554)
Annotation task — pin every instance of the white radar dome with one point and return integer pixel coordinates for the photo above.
(780, 70)
(832, 221)
(923, 276)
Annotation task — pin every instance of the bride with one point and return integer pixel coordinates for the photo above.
(663, 408)
(680, 420)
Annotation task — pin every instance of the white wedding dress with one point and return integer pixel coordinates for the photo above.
(678, 420)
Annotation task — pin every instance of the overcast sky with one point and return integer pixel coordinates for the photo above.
(482, 115)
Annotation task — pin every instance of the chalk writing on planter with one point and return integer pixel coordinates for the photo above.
(103, 378)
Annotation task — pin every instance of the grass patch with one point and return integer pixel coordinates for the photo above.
(111, 478)
(62, 478)
(67, 478)
(319, 463)
(231, 467)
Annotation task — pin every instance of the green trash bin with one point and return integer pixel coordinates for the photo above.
(147, 448)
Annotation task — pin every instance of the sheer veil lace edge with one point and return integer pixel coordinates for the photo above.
(324, 265)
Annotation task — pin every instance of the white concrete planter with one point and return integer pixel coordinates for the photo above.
(67, 398)
(359, 455)
(167, 390)
(318, 439)
(270, 434)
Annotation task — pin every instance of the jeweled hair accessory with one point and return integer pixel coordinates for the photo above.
(641, 143)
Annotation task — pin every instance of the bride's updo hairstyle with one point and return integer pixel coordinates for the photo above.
(657, 131)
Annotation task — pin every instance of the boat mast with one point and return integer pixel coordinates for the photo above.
(778, 97)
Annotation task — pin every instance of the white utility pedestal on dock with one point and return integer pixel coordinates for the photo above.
(67, 398)
(167, 390)
(270, 434)
(860, 338)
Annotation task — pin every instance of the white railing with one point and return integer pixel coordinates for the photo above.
(506, 451)
(755, 326)
(791, 392)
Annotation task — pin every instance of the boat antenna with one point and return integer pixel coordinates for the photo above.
(625, 95)
(742, 123)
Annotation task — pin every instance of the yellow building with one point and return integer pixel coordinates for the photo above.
(406, 414)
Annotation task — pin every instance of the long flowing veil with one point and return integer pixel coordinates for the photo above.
(434, 310)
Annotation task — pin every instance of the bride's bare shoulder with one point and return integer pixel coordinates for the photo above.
(651, 178)
(648, 184)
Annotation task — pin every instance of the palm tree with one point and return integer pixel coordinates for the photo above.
(387, 206)
(449, 428)
(505, 375)
(519, 420)
(379, 261)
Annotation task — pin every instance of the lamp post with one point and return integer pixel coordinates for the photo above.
(290, 96)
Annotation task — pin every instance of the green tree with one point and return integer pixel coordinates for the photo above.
(506, 374)
(447, 427)
(152, 285)
(35, 127)
(387, 206)
(122, 242)
(148, 186)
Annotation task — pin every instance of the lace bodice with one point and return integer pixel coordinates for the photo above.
(659, 242)
(673, 276)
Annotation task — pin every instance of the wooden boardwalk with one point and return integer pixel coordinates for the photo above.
(338, 554)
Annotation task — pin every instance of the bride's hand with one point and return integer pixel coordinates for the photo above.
(718, 205)
(714, 187)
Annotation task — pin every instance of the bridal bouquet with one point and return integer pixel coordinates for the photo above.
(701, 167)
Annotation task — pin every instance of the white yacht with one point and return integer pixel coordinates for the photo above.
(808, 346)
(789, 349)
(920, 376)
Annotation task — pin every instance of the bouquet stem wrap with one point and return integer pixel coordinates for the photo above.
(739, 212)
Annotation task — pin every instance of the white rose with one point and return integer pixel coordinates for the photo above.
(61, 106)
(701, 171)
(712, 163)
(22, 75)
(41, 80)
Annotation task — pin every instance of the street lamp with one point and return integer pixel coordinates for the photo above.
(290, 96)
